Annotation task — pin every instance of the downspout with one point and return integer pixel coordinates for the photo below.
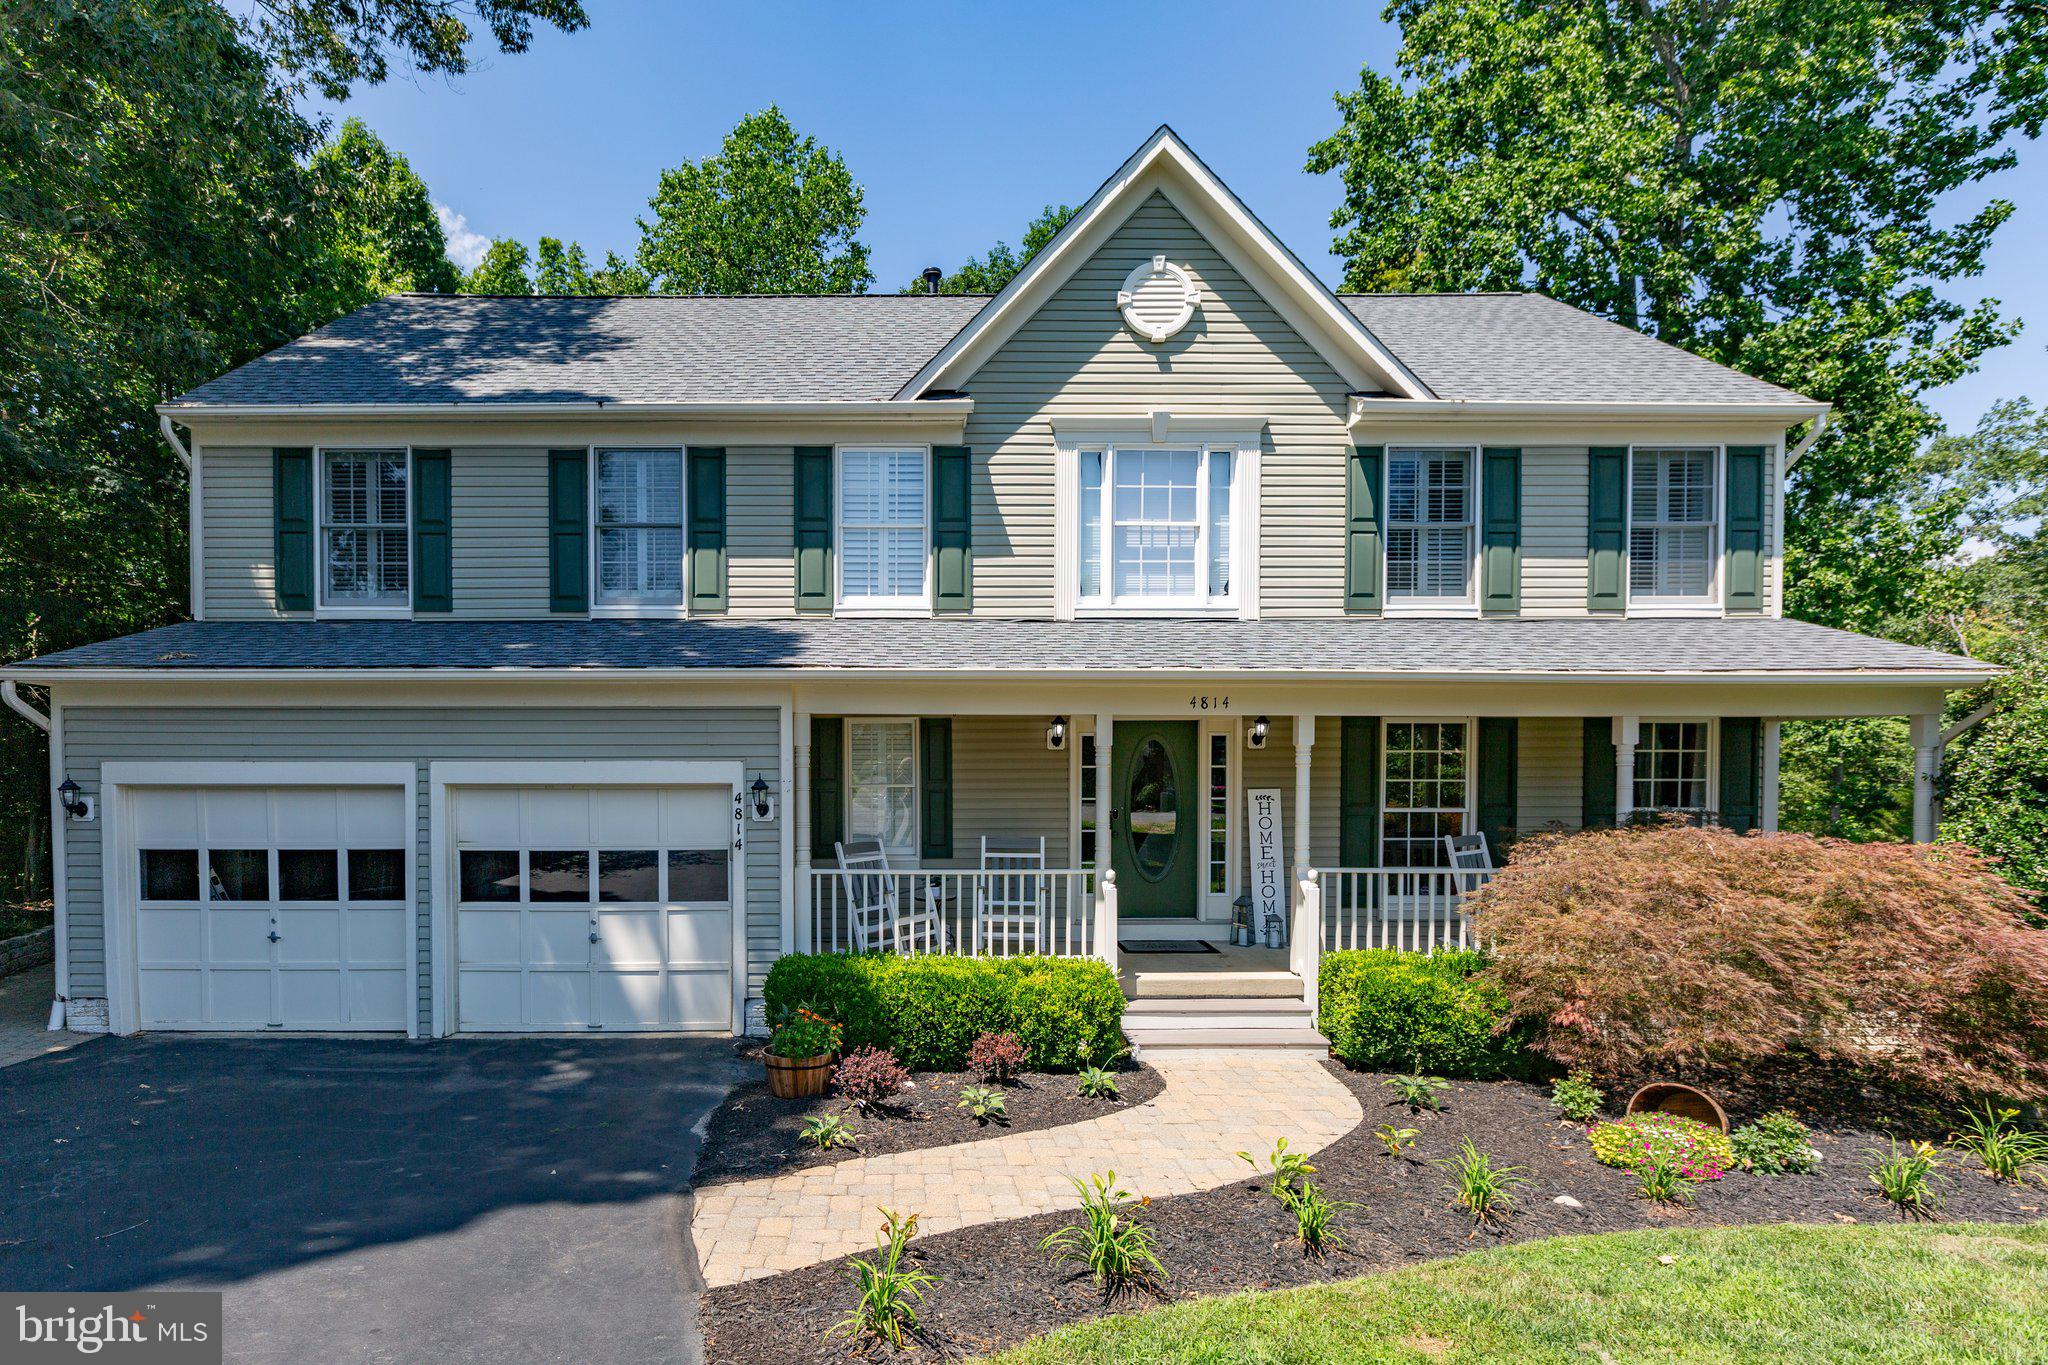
(59, 944)
(194, 527)
(1798, 452)
(170, 432)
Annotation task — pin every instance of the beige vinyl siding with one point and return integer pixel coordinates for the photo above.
(1555, 486)
(1549, 759)
(238, 533)
(420, 735)
(1075, 359)
(1006, 783)
(498, 533)
(1273, 767)
(760, 536)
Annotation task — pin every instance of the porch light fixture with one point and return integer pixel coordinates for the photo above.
(764, 804)
(76, 805)
(1056, 733)
(1255, 738)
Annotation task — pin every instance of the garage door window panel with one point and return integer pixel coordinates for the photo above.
(170, 874)
(490, 876)
(376, 874)
(238, 874)
(631, 876)
(308, 874)
(696, 875)
(558, 876)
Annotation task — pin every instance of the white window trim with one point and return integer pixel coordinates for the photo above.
(626, 607)
(918, 605)
(1470, 818)
(1468, 605)
(1717, 538)
(1138, 434)
(341, 611)
(908, 855)
(1713, 724)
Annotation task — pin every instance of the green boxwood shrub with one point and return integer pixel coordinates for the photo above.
(929, 1010)
(1384, 1010)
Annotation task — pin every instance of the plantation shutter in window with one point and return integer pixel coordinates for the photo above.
(935, 787)
(1745, 528)
(433, 566)
(291, 484)
(707, 528)
(1606, 523)
(568, 531)
(1500, 554)
(952, 529)
(1741, 772)
(1499, 737)
(814, 528)
(1596, 791)
(1365, 512)
(828, 785)
(1358, 791)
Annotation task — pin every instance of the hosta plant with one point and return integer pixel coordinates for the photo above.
(1117, 1249)
(1396, 1140)
(1776, 1144)
(982, 1103)
(826, 1131)
(1284, 1169)
(1696, 1150)
(1099, 1082)
(2007, 1151)
(889, 1290)
(1575, 1096)
(1418, 1092)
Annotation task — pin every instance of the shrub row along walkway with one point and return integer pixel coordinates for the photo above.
(1215, 1105)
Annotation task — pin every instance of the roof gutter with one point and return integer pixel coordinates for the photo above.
(1368, 408)
(888, 410)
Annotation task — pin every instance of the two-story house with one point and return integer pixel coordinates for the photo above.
(547, 654)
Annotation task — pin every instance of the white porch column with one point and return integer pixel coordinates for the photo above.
(1304, 938)
(1767, 807)
(1926, 769)
(1304, 752)
(1627, 730)
(1105, 875)
(800, 821)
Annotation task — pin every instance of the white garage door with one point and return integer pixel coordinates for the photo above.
(271, 907)
(585, 908)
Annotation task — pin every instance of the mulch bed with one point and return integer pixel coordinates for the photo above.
(755, 1134)
(996, 1288)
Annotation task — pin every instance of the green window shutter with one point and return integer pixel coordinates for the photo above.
(1358, 791)
(1745, 528)
(433, 562)
(952, 529)
(291, 490)
(828, 785)
(1500, 539)
(568, 530)
(1365, 514)
(1607, 529)
(814, 528)
(1499, 765)
(1596, 790)
(1741, 772)
(935, 786)
(707, 528)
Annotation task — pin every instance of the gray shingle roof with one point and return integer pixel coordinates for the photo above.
(432, 348)
(1526, 347)
(1367, 647)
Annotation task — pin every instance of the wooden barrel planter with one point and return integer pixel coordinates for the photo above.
(791, 1078)
(1686, 1101)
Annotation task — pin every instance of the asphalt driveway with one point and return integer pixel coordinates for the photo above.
(490, 1200)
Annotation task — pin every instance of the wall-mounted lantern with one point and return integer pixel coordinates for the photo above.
(1056, 733)
(1255, 738)
(762, 803)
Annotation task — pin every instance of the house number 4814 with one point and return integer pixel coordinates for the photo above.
(1204, 702)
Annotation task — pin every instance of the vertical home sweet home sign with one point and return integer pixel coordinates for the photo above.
(1269, 895)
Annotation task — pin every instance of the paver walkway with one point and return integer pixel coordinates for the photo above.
(1215, 1105)
(25, 1017)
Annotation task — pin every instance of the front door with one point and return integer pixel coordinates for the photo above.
(1156, 805)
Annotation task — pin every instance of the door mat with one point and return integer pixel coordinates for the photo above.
(1164, 945)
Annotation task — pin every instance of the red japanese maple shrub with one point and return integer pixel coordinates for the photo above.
(1670, 946)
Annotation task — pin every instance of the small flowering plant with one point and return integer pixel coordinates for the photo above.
(1695, 1151)
(804, 1034)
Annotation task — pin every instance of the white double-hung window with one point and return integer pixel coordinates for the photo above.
(1429, 527)
(884, 528)
(1157, 526)
(1673, 766)
(1673, 503)
(365, 548)
(639, 507)
(881, 783)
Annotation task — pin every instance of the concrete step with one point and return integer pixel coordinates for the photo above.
(1149, 1005)
(1297, 1019)
(1292, 1041)
(1142, 985)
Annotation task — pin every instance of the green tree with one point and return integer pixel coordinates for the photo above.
(382, 235)
(988, 274)
(336, 45)
(501, 271)
(560, 269)
(1849, 779)
(774, 212)
(1771, 184)
(1995, 777)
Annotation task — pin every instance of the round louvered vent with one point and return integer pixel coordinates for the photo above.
(1157, 299)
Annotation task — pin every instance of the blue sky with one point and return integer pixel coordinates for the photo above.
(963, 121)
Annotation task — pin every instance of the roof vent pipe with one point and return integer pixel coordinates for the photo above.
(932, 276)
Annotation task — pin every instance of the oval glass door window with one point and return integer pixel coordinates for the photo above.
(1154, 807)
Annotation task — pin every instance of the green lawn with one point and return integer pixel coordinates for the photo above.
(1929, 1292)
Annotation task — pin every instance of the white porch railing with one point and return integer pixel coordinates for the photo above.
(1416, 910)
(966, 912)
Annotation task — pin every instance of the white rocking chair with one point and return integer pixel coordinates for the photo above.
(1471, 861)
(1009, 896)
(874, 907)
